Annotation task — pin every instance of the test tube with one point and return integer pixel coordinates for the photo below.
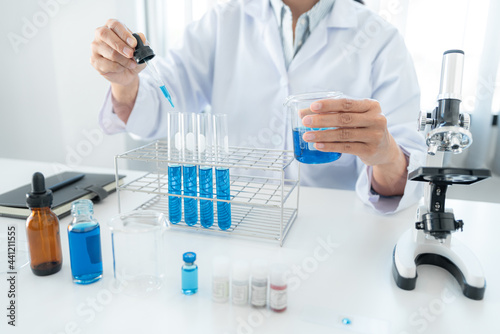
(222, 178)
(175, 145)
(205, 146)
(189, 170)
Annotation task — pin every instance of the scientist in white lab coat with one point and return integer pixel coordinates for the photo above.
(244, 57)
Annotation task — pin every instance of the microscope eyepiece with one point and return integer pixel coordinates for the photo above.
(451, 75)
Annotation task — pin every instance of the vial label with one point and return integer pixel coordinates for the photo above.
(220, 290)
(259, 295)
(278, 299)
(239, 293)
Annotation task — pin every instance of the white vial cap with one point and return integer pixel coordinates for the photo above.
(220, 266)
(260, 269)
(278, 276)
(241, 271)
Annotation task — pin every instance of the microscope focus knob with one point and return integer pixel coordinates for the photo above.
(423, 120)
(465, 120)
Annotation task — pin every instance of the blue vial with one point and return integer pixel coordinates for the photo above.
(206, 191)
(84, 237)
(190, 189)
(189, 274)
(306, 153)
(223, 192)
(174, 187)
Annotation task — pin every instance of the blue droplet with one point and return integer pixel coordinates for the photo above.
(346, 321)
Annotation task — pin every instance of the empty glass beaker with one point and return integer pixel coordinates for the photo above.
(138, 254)
(306, 152)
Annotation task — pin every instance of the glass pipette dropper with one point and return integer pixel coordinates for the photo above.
(152, 69)
(143, 54)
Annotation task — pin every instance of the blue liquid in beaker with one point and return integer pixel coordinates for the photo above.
(223, 192)
(85, 252)
(174, 187)
(305, 152)
(206, 191)
(190, 188)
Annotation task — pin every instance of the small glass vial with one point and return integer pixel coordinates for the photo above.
(84, 238)
(42, 230)
(278, 296)
(239, 283)
(189, 274)
(258, 286)
(220, 280)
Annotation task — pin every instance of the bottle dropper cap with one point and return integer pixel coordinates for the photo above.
(39, 197)
(142, 53)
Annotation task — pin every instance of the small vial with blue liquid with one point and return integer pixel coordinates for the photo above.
(222, 177)
(84, 237)
(189, 274)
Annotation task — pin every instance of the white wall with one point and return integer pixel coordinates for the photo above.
(50, 94)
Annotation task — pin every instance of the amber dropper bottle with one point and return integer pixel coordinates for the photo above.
(42, 229)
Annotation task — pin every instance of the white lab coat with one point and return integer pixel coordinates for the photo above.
(232, 59)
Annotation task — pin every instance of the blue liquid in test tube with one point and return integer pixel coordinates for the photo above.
(223, 192)
(206, 191)
(190, 187)
(174, 187)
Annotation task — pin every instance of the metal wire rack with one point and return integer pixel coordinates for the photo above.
(264, 204)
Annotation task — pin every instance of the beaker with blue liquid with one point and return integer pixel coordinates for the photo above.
(297, 107)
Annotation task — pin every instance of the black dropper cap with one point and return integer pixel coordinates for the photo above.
(39, 197)
(142, 52)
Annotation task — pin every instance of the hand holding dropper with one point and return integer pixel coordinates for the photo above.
(143, 54)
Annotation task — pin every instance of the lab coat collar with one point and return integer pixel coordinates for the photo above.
(343, 14)
(258, 9)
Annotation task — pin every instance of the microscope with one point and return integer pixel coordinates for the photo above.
(431, 242)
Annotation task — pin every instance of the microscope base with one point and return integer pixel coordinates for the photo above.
(415, 248)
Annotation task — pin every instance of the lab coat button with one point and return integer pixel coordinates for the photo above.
(276, 139)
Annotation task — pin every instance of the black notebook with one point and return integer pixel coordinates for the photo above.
(66, 187)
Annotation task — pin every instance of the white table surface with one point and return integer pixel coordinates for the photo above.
(353, 281)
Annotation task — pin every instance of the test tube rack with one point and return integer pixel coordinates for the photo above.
(264, 204)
